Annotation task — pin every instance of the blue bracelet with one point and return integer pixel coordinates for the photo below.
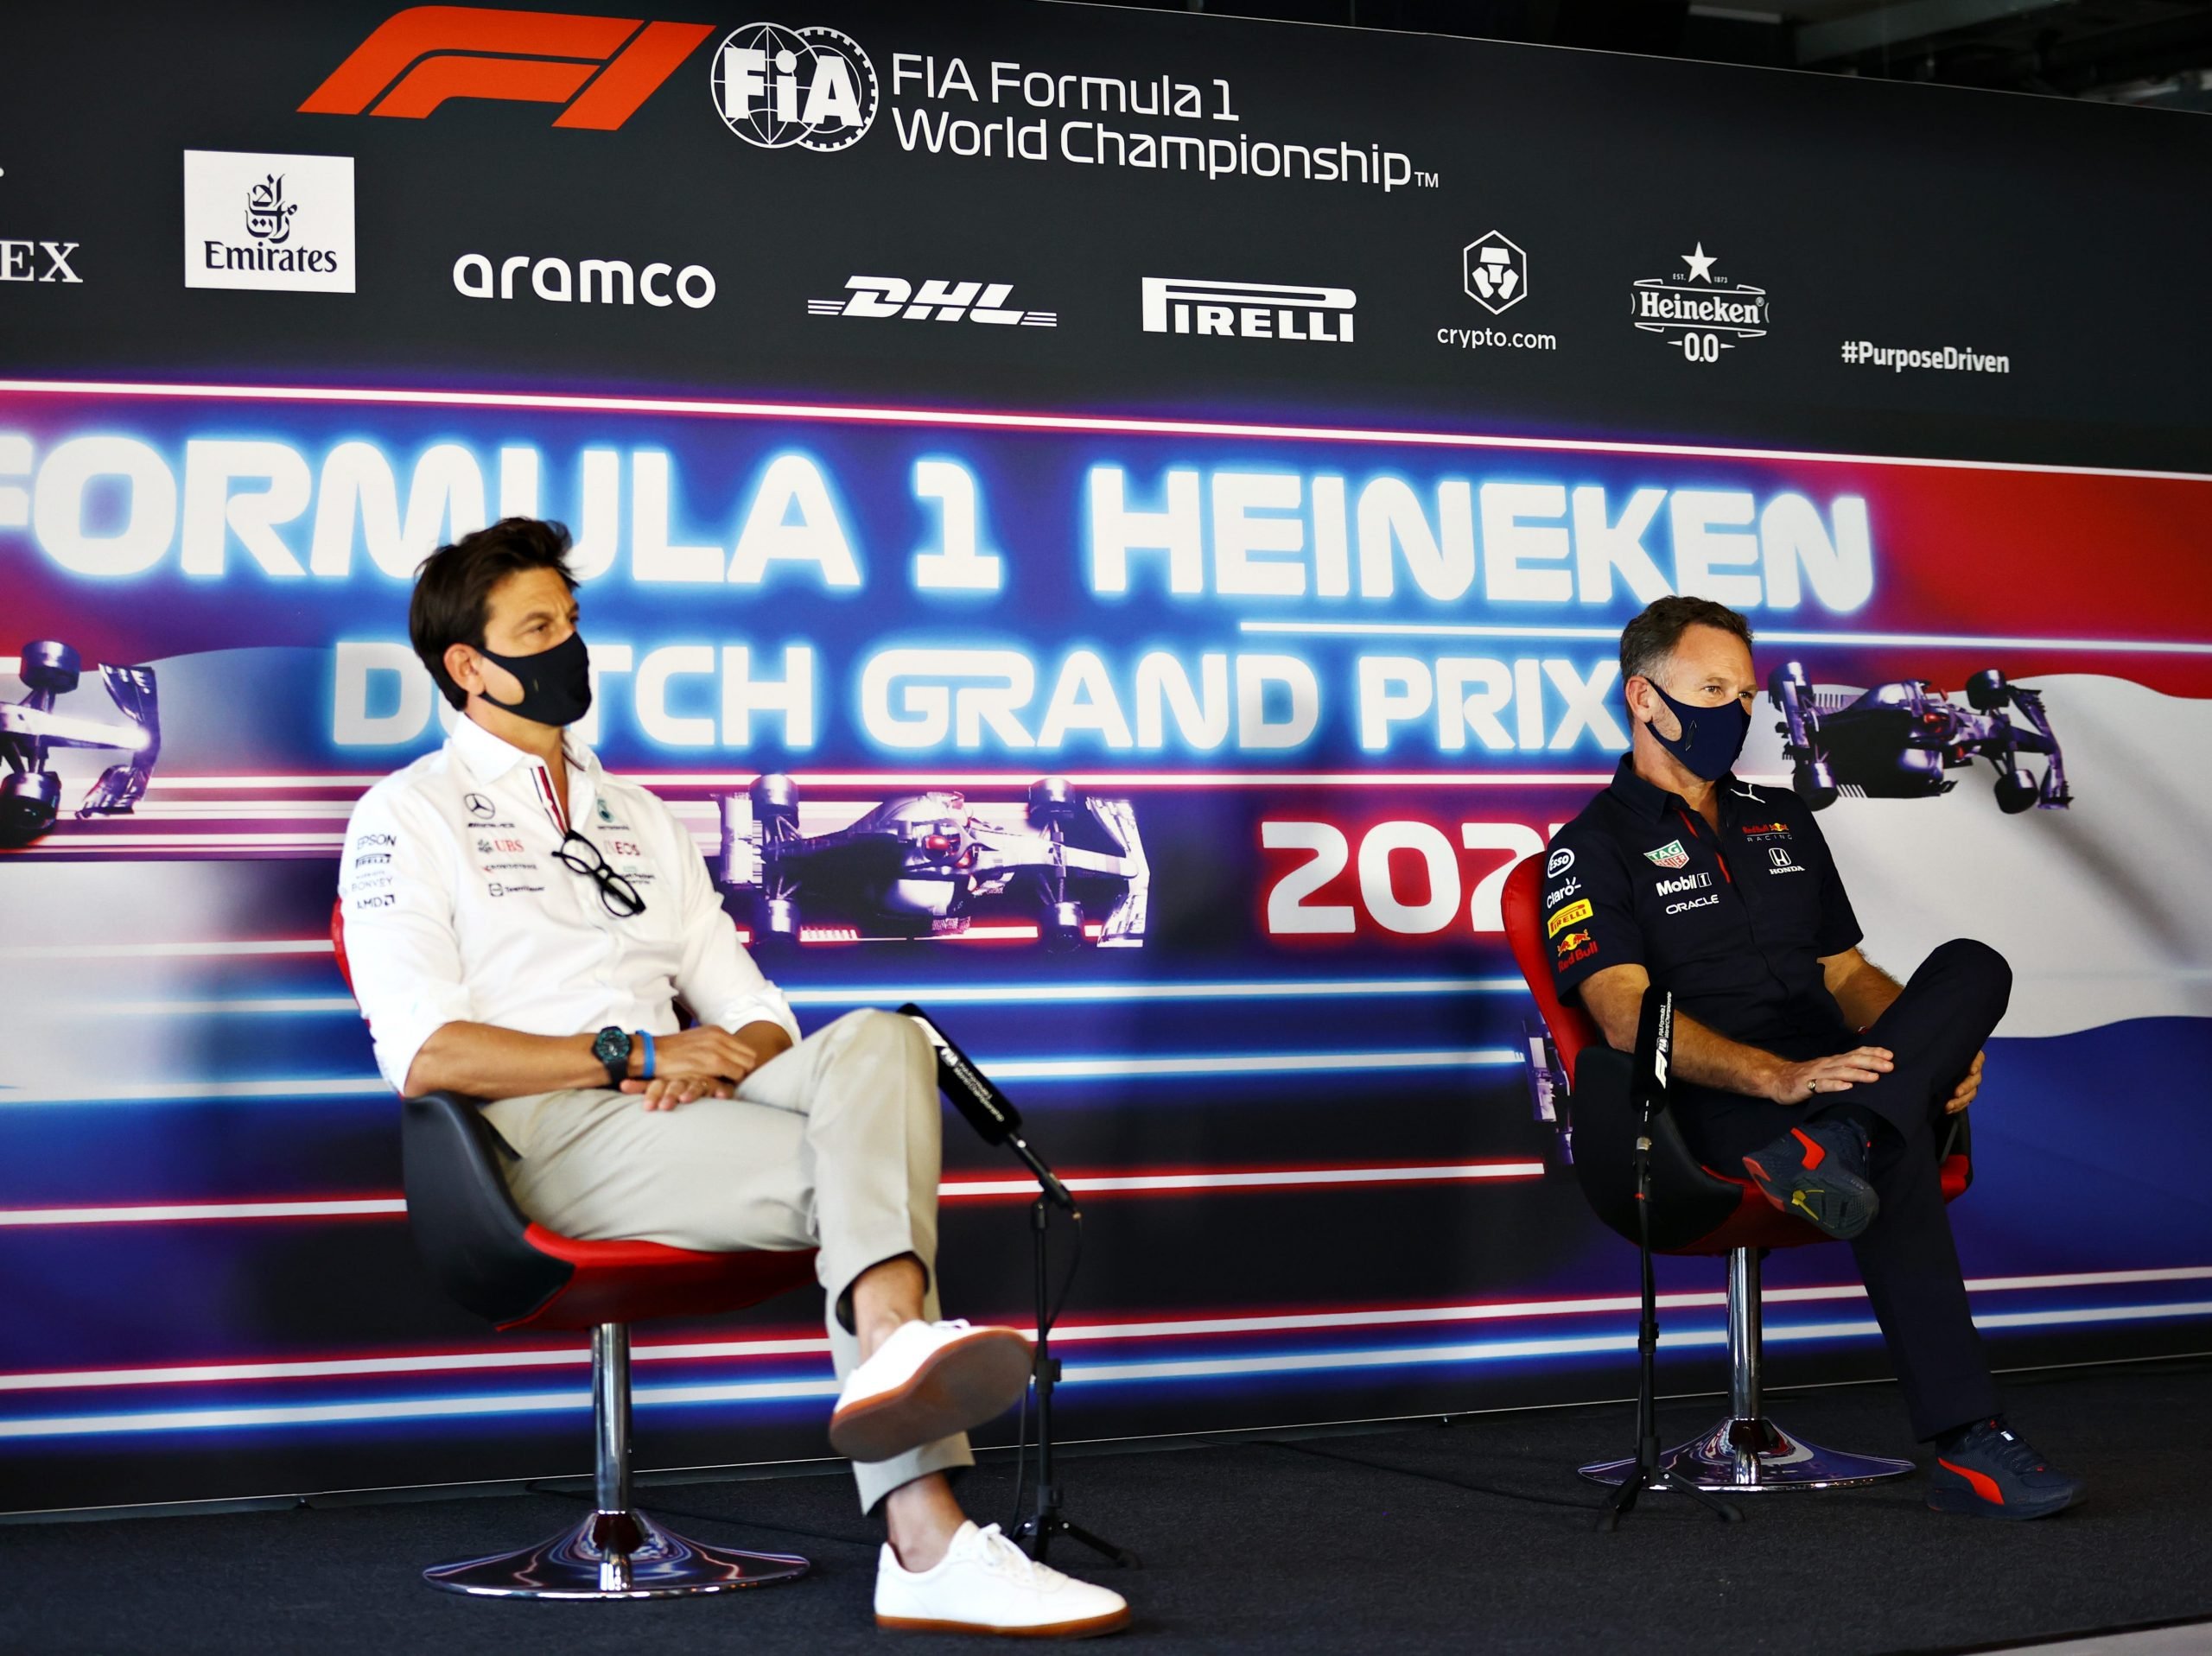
(648, 1040)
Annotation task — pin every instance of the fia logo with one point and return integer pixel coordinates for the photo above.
(775, 86)
(268, 215)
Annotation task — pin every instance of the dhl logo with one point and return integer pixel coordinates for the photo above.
(602, 69)
(1579, 909)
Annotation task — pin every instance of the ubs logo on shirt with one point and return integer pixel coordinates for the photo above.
(1779, 857)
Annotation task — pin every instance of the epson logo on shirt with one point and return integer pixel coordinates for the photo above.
(1686, 883)
(1694, 903)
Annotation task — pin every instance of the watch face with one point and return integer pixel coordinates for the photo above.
(612, 1047)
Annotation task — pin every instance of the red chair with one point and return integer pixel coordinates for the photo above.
(1694, 1210)
(517, 1275)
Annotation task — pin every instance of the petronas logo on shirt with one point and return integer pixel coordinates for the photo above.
(1671, 855)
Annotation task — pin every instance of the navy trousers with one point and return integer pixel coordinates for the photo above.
(1907, 1257)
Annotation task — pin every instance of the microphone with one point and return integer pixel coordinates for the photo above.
(989, 1111)
(1655, 1049)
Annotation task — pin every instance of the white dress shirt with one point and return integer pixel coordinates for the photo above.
(456, 911)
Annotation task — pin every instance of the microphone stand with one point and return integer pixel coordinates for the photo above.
(1654, 1047)
(993, 1115)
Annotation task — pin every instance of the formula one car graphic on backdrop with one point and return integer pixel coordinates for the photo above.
(30, 730)
(1896, 740)
(1065, 868)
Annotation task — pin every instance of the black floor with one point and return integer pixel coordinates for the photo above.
(1474, 1535)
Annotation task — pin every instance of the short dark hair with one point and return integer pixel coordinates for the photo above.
(1647, 641)
(453, 588)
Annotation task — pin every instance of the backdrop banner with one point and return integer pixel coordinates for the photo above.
(1265, 430)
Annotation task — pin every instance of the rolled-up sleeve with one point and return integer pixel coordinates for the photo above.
(394, 883)
(718, 980)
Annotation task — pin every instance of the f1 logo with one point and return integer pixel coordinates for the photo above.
(418, 58)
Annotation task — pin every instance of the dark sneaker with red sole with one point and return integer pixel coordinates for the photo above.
(1818, 1173)
(1994, 1472)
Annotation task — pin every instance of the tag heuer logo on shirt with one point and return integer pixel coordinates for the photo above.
(1671, 855)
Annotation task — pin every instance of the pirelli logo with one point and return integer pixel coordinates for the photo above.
(600, 69)
(1562, 918)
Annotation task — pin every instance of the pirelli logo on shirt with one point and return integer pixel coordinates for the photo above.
(1566, 917)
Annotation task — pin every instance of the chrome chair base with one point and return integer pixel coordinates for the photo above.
(615, 1555)
(1744, 1455)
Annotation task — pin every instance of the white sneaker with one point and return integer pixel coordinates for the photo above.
(985, 1583)
(927, 1381)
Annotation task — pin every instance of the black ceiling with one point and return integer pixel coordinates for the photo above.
(2151, 51)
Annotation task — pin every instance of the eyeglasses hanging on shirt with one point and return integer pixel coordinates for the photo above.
(617, 894)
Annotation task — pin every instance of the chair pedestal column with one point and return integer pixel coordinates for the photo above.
(616, 1551)
(1746, 1450)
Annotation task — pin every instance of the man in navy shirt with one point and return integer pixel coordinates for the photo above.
(1796, 1057)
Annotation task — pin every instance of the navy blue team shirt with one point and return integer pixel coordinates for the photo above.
(1734, 921)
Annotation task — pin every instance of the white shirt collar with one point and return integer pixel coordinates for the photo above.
(488, 757)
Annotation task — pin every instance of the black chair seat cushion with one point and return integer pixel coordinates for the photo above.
(514, 1272)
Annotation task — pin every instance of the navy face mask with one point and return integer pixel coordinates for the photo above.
(556, 682)
(1711, 737)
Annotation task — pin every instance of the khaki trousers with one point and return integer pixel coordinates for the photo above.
(832, 1145)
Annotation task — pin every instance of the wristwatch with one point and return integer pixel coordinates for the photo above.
(612, 1050)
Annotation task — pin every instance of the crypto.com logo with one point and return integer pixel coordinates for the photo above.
(603, 68)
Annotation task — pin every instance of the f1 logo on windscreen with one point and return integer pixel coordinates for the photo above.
(602, 69)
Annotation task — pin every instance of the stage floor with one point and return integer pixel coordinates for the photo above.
(1472, 1535)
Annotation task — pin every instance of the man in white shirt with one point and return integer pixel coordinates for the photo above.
(519, 925)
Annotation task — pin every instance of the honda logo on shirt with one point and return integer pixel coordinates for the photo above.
(602, 69)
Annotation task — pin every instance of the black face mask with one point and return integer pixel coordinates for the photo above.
(1711, 737)
(556, 682)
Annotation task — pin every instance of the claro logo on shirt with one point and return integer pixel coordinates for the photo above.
(1566, 917)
